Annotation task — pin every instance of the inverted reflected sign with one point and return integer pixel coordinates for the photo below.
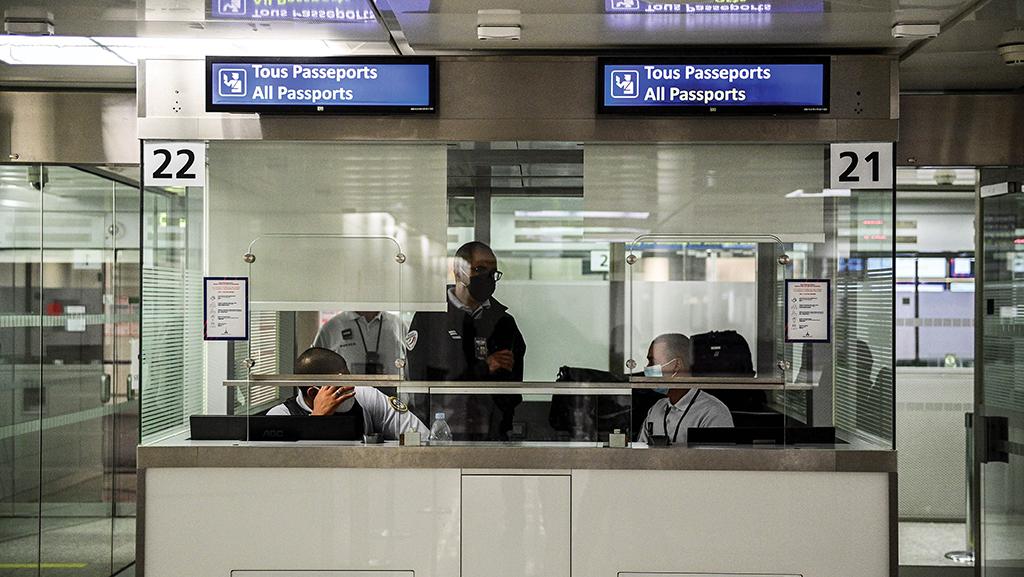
(351, 11)
(714, 7)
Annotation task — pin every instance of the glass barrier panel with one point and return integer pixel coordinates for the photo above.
(23, 406)
(326, 315)
(704, 321)
(372, 189)
(531, 412)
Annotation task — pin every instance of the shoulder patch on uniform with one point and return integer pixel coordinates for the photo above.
(398, 405)
(410, 339)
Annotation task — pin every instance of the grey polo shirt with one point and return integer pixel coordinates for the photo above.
(706, 411)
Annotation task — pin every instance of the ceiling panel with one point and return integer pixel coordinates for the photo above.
(438, 25)
(965, 56)
(187, 18)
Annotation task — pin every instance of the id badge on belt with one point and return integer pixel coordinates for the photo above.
(480, 346)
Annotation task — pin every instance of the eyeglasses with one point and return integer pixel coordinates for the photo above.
(482, 270)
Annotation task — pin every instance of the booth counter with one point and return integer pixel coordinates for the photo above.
(544, 509)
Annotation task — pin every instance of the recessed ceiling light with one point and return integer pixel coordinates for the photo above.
(498, 24)
(915, 30)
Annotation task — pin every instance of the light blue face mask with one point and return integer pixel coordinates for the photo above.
(655, 371)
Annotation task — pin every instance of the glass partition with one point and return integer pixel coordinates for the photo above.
(585, 255)
(296, 303)
(705, 324)
(372, 189)
(69, 282)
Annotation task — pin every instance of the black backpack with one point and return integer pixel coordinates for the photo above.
(721, 353)
(726, 353)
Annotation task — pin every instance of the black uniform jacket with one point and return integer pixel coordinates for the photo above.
(445, 344)
(444, 347)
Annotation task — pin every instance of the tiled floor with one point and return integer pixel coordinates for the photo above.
(72, 546)
(925, 544)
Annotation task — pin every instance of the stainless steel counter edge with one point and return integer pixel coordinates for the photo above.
(547, 458)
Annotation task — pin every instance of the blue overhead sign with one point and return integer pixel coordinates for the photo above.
(713, 86)
(351, 11)
(320, 85)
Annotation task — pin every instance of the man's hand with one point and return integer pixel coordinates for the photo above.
(499, 360)
(329, 398)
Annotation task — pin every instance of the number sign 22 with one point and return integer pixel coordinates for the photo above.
(175, 163)
(861, 165)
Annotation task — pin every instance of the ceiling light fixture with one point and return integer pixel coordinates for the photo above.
(498, 24)
(127, 51)
(28, 22)
(915, 30)
(825, 192)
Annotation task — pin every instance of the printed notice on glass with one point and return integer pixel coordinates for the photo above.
(226, 310)
(808, 311)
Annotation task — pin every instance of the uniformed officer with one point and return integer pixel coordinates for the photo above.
(369, 341)
(476, 340)
(382, 415)
(681, 409)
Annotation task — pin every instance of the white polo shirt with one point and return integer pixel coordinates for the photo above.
(379, 415)
(351, 336)
(672, 421)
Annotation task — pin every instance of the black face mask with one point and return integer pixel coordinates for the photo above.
(482, 286)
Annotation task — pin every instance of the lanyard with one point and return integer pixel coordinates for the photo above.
(664, 420)
(380, 329)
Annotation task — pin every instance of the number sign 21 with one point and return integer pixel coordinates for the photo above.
(861, 165)
(174, 163)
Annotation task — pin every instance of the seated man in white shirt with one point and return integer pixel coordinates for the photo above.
(381, 415)
(669, 356)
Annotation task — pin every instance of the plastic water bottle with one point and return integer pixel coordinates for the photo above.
(440, 432)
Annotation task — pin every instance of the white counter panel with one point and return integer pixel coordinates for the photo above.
(329, 574)
(814, 524)
(515, 525)
(212, 521)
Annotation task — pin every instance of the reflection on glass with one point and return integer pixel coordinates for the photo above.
(336, 11)
(23, 402)
(69, 318)
(714, 7)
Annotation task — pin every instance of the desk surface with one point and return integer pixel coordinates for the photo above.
(179, 452)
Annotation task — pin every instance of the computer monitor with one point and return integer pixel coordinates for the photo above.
(275, 428)
(761, 436)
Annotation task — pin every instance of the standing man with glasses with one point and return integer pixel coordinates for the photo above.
(475, 340)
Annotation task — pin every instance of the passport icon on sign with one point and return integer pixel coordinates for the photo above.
(625, 4)
(625, 83)
(232, 6)
(231, 82)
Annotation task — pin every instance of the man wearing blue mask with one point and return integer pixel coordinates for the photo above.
(669, 356)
